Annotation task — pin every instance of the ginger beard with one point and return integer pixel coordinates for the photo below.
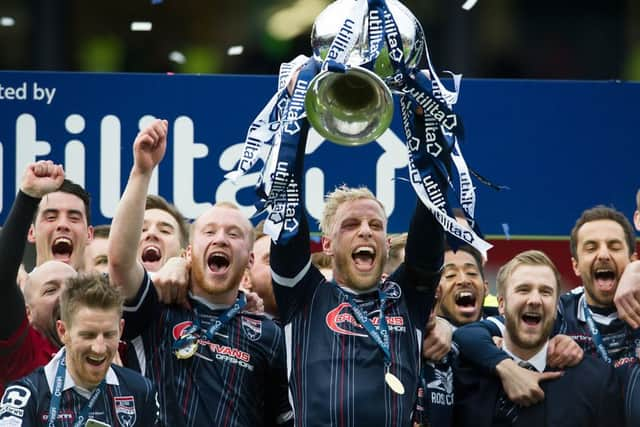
(220, 252)
(358, 244)
(91, 342)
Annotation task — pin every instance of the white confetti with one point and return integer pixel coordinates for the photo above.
(469, 4)
(141, 26)
(177, 57)
(505, 228)
(7, 21)
(235, 50)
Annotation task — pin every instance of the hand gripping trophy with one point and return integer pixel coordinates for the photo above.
(364, 53)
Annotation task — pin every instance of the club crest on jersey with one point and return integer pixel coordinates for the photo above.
(342, 321)
(392, 289)
(252, 328)
(125, 407)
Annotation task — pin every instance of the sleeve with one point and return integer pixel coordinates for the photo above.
(476, 344)
(610, 402)
(293, 275)
(424, 254)
(151, 407)
(19, 406)
(12, 243)
(278, 411)
(632, 397)
(139, 312)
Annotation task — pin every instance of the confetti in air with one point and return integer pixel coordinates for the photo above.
(141, 26)
(235, 50)
(469, 4)
(7, 21)
(505, 228)
(177, 57)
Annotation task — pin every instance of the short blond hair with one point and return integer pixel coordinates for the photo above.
(91, 290)
(337, 197)
(532, 258)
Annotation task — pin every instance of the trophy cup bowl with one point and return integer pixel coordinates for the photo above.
(355, 107)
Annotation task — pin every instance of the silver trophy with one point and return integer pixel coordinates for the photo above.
(356, 107)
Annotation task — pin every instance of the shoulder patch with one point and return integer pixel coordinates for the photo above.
(15, 398)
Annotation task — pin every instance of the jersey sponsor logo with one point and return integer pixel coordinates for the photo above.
(178, 328)
(14, 399)
(252, 328)
(125, 407)
(64, 416)
(345, 323)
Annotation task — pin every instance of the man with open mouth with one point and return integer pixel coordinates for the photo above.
(587, 394)
(59, 210)
(213, 363)
(602, 245)
(80, 383)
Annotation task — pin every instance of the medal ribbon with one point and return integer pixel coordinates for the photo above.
(596, 336)
(56, 396)
(381, 334)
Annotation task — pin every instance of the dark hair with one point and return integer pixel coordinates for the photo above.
(477, 256)
(71, 187)
(602, 212)
(159, 202)
(101, 231)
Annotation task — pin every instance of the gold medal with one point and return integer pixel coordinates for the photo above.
(186, 347)
(394, 383)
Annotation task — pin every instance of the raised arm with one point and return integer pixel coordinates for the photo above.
(39, 179)
(125, 269)
(424, 253)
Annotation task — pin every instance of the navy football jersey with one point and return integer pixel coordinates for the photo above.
(621, 341)
(236, 379)
(336, 370)
(128, 400)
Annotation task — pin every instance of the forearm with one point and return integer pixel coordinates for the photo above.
(12, 244)
(476, 344)
(424, 251)
(125, 269)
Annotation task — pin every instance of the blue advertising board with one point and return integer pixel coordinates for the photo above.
(561, 146)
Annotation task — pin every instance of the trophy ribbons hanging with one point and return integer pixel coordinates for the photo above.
(364, 52)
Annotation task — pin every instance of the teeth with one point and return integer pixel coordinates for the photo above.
(464, 294)
(62, 240)
(364, 249)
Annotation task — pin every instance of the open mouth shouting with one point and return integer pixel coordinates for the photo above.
(62, 248)
(218, 262)
(465, 300)
(364, 258)
(531, 319)
(151, 256)
(604, 278)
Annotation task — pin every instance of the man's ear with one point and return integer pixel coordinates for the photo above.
(501, 305)
(31, 236)
(61, 328)
(121, 328)
(326, 245)
(574, 264)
